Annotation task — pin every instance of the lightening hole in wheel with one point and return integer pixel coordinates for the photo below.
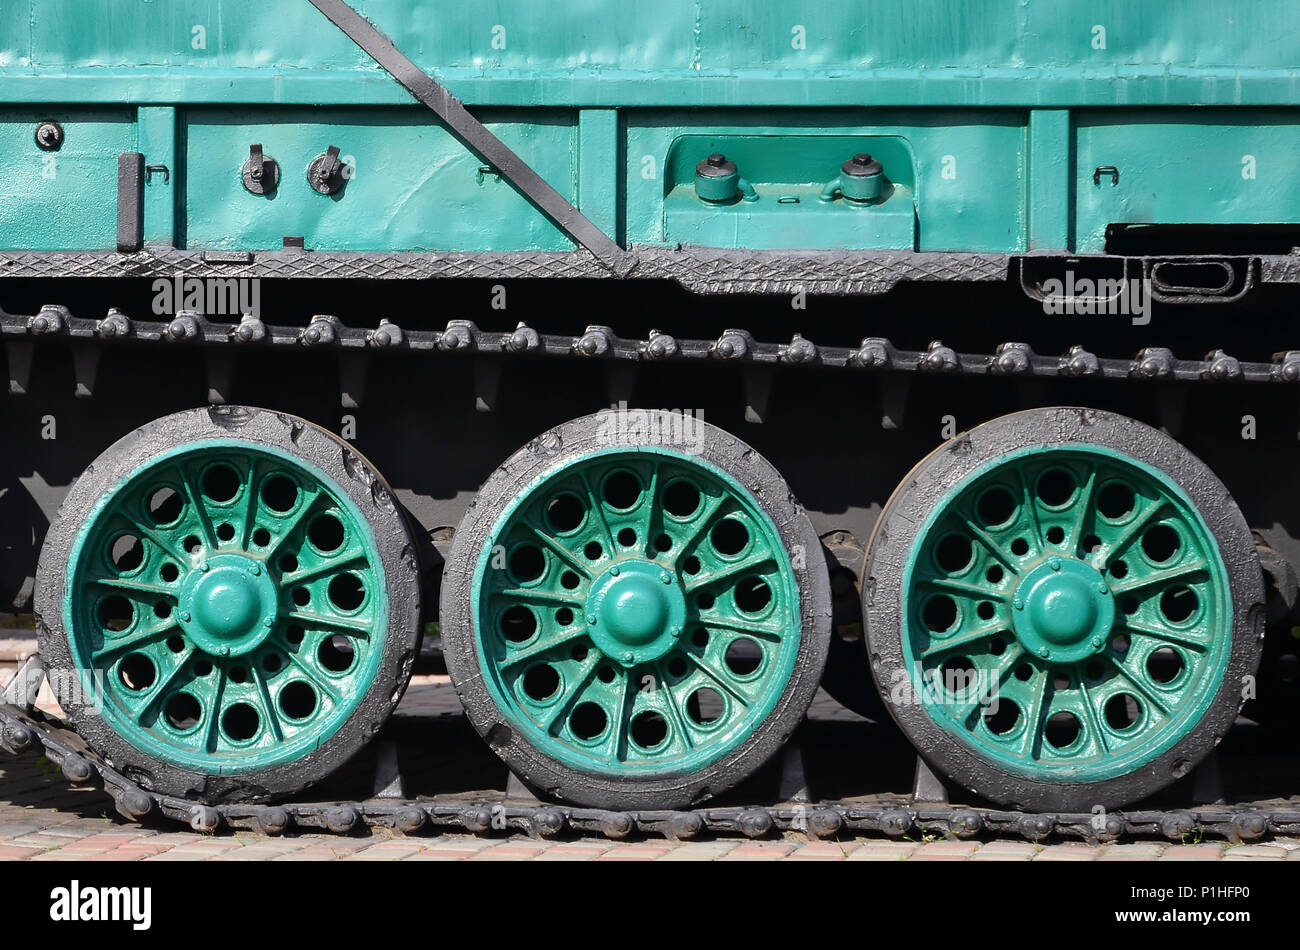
(564, 616)
(705, 706)
(622, 491)
(959, 675)
(527, 563)
(1161, 543)
(940, 613)
(518, 624)
(1120, 644)
(137, 671)
(579, 653)
(1055, 534)
(202, 668)
(1118, 569)
(752, 595)
(1094, 670)
(663, 543)
(649, 729)
(565, 513)
(225, 532)
(238, 674)
(165, 505)
(1178, 604)
(346, 592)
(677, 667)
(997, 646)
(272, 663)
(729, 537)
(169, 572)
(191, 544)
(240, 722)
(1164, 665)
(994, 575)
(1024, 672)
(261, 537)
(294, 634)
(681, 499)
(1001, 718)
(1060, 681)
(605, 674)
(288, 564)
(182, 712)
(743, 656)
(301, 596)
(175, 644)
(704, 601)
(700, 638)
(1122, 712)
(336, 653)
(953, 554)
(592, 551)
(691, 565)
(1115, 501)
(985, 610)
(298, 700)
(1055, 487)
(588, 721)
(279, 494)
(627, 537)
(996, 507)
(569, 580)
(1090, 544)
(126, 553)
(1062, 730)
(541, 682)
(1128, 604)
(326, 533)
(162, 610)
(116, 613)
(1019, 547)
(221, 483)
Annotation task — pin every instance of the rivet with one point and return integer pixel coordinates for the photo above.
(675, 631)
(1044, 652)
(1054, 563)
(1102, 588)
(613, 572)
(629, 656)
(268, 622)
(185, 616)
(255, 570)
(666, 577)
(1018, 604)
(1096, 641)
(591, 620)
(203, 564)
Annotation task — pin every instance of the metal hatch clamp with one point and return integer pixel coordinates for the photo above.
(476, 137)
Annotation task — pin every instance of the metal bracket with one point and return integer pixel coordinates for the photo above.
(476, 137)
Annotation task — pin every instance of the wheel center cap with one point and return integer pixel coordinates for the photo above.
(1063, 610)
(635, 611)
(227, 604)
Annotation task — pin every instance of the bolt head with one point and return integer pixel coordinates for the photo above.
(1102, 588)
(1054, 563)
(591, 620)
(717, 159)
(666, 577)
(629, 656)
(613, 572)
(203, 565)
(1096, 641)
(1044, 653)
(255, 570)
(225, 651)
(268, 622)
(675, 631)
(185, 616)
(1018, 603)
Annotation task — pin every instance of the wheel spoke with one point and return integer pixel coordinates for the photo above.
(352, 557)
(1140, 521)
(963, 640)
(351, 628)
(1094, 721)
(594, 505)
(215, 711)
(730, 571)
(287, 531)
(529, 595)
(138, 587)
(561, 552)
(250, 505)
(162, 691)
(1138, 685)
(575, 691)
(524, 654)
(319, 681)
(1163, 635)
(200, 511)
(1162, 577)
(701, 525)
(272, 719)
(1031, 506)
(959, 587)
(654, 522)
(718, 679)
(133, 642)
(989, 544)
(1085, 509)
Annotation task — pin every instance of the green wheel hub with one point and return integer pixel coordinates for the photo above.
(1067, 613)
(227, 602)
(635, 613)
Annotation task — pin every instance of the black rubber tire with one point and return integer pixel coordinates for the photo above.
(931, 481)
(551, 779)
(354, 477)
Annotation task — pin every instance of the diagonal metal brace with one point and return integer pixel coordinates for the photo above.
(476, 137)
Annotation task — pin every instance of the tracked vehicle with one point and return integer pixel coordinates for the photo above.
(665, 365)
